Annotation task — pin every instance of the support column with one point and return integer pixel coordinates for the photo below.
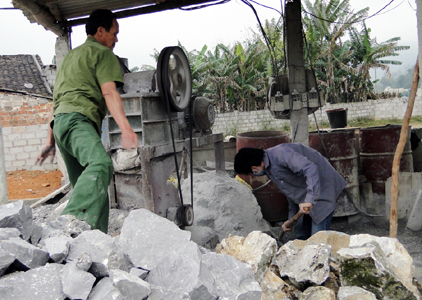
(62, 47)
(297, 78)
(419, 19)
(3, 179)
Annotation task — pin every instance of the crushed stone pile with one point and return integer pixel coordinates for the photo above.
(229, 253)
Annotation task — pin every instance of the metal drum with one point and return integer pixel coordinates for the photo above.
(273, 203)
(341, 150)
(378, 146)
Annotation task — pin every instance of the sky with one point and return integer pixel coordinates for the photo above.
(225, 23)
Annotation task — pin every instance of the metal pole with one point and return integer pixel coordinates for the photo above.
(3, 180)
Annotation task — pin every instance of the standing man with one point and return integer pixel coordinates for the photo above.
(308, 180)
(85, 88)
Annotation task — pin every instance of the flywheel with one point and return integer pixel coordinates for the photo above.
(174, 78)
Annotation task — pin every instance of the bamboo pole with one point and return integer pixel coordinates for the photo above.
(399, 151)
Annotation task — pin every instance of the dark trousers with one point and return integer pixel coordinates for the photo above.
(305, 227)
(89, 167)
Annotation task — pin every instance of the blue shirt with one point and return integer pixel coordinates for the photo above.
(304, 175)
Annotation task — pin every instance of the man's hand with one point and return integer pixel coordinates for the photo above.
(48, 150)
(305, 208)
(129, 139)
(286, 228)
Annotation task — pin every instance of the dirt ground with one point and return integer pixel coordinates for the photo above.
(32, 184)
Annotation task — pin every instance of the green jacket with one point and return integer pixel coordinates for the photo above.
(79, 79)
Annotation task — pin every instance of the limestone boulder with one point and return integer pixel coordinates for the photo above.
(17, 215)
(368, 267)
(257, 250)
(309, 265)
(354, 293)
(223, 205)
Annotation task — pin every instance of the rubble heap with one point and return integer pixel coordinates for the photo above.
(47, 256)
(153, 259)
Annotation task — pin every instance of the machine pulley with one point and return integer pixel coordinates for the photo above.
(174, 77)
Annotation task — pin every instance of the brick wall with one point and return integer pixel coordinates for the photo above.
(22, 109)
(237, 122)
(24, 120)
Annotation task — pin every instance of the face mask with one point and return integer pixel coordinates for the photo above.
(259, 173)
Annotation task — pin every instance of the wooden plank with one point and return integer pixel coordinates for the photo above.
(63, 190)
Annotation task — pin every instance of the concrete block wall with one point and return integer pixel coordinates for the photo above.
(22, 144)
(237, 122)
(49, 72)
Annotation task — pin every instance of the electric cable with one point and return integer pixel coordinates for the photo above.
(361, 20)
(203, 5)
(266, 39)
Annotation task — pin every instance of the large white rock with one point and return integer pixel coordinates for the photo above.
(308, 265)
(43, 283)
(148, 238)
(367, 266)
(354, 293)
(182, 271)
(234, 279)
(17, 215)
(77, 284)
(257, 250)
(318, 292)
(58, 247)
(224, 205)
(97, 245)
(129, 286)
(28, 255)
(105, 290)
(272, 287)
(394, 251)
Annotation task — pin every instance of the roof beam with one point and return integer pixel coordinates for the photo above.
(42, 16)
(144, 10)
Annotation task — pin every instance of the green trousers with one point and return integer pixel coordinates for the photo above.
(89, 167)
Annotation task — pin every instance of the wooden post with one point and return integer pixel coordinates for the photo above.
(399, 151)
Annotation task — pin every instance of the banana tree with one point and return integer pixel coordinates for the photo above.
(325, 24)
(367, 55)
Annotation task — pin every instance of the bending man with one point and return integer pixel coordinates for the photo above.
(85, 88)
(308, 180)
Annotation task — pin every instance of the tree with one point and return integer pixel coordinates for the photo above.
(368, 54)
(325, 24)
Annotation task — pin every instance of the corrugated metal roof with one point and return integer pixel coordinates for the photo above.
(75, 9)
(58, 14)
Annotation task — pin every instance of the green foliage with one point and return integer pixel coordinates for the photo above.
(235, 77)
